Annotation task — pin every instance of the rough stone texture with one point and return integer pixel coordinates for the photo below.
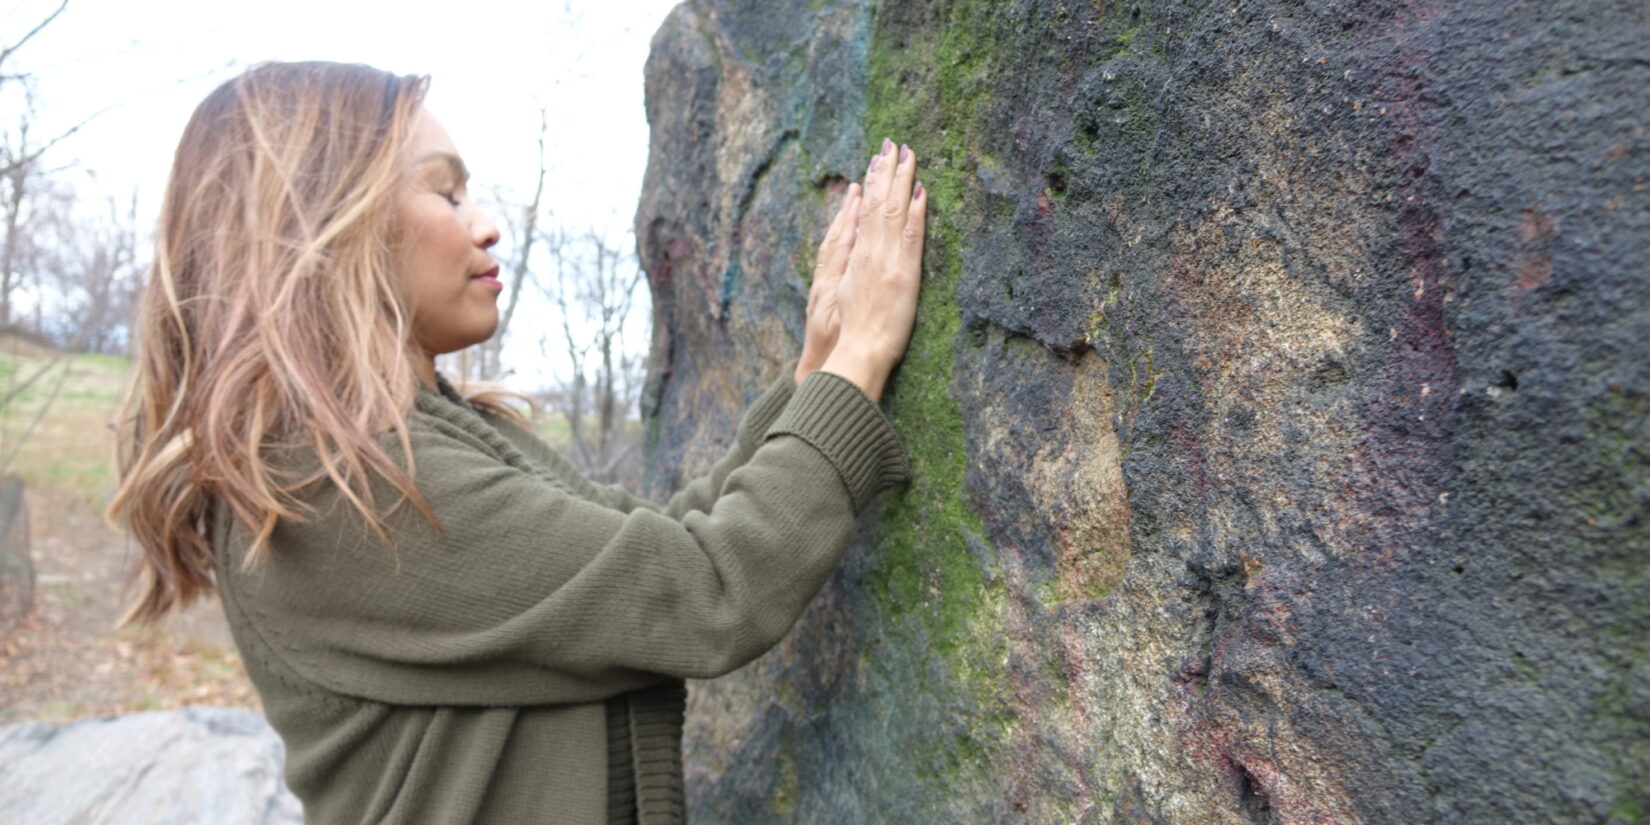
(1279, 403)
(196, 765)
(16, 567)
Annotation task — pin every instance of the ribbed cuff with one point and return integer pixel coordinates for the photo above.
(768, 406)
(835, 416)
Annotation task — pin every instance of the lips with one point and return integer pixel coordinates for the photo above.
(490, 278)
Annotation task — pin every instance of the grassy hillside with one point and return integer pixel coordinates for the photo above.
(70, 449)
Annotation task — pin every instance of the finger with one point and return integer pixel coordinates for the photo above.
(878, 185)
(912, 234)
(839, 239)
(846, 214)
(899, 184)
(876, 181)
(889, 220)
(871, 173)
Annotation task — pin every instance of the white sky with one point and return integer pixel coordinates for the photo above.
(492, 63)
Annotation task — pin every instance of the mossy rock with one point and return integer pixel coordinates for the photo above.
(1276, 402)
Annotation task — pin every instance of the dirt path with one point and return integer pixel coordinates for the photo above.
(67, 660)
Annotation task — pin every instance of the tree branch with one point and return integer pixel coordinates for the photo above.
(9, 50)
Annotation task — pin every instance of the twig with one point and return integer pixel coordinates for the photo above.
(32, 32)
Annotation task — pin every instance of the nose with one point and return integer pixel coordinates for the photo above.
(482, 229)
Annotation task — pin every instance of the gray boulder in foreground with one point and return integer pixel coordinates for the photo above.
(195, 765)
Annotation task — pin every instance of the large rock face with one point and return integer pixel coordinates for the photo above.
(1279, 405)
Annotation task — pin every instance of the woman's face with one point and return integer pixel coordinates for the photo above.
(447, 276)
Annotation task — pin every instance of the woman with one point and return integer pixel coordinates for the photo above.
(445, 621)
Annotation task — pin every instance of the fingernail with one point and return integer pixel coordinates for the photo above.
(920, 192)
(904, 153)
(887, 145)
(875, 159)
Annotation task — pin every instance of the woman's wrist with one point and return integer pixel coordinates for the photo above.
(867, 373)
(809, 362)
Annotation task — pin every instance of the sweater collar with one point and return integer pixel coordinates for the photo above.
(445, 403)
(444, 388)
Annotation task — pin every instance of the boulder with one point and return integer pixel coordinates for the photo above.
(1278, 405)
(16, 567)
(195, 765)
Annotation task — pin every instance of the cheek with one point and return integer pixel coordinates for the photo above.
(438, 238)
(430, 257)
(448, 311)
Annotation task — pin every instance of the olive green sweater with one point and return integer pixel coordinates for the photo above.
(475, 675)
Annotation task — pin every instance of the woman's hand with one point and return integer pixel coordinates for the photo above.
(823, 322)
(877, 296)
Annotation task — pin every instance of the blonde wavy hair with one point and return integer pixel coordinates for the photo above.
(271, 321)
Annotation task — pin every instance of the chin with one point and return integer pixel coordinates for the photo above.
(481, 331)
(452, 343)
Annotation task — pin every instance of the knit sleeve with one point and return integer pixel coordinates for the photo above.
(698, 493)
(529, 594)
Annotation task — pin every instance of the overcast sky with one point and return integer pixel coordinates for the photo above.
(146, 64)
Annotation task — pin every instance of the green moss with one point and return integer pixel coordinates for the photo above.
(929, 89)
(928, 85)
(1611, 503)
(807, 254)
(1617, 714)
(1125, 39)
(931, 83)
(1612, 500)
(1627, 810)
(784, 792)
(932, 78)
(1142, 121)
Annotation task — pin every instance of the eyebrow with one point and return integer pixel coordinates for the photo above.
(454, 162)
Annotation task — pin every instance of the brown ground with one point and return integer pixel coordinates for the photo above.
(68, 661)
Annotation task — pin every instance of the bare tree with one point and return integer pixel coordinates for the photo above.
(21, 167)
(15, 178)
(89, 266)
(524, 229)
(597, 283)
(22, 154)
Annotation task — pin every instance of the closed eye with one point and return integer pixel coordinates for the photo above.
(439, 162)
